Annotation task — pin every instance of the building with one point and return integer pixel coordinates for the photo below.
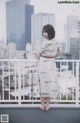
(3, 50)
(18, 14)
(21, 54)
(75, 48)
(62, 46)
(79, 27)
(71, 29)
(11, 50)
(38, 21)
(67, 56)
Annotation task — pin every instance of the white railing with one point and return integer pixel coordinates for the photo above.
(19, 83)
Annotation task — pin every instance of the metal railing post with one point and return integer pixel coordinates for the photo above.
(77, 83)
(19, 83)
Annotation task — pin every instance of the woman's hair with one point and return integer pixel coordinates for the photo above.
(50, 30)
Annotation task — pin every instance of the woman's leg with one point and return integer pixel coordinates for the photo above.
(42, 102)
(47, 103)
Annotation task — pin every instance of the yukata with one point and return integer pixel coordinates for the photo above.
(47, 69)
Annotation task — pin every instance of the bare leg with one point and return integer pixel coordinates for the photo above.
(47, 103)
(42, 102)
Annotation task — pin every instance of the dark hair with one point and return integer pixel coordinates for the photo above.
(50, 30)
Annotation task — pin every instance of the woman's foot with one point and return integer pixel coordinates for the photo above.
(42, 107)
(47, 107)
(47, 103)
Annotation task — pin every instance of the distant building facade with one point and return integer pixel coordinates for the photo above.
(18, 17)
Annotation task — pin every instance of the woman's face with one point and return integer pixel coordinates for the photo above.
(45, 34)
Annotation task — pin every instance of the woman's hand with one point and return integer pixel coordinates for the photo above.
(39, 55)
(59, 52)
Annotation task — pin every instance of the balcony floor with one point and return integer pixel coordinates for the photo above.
(36, 115)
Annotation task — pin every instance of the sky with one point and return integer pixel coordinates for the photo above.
(61, 11)
(2, 20)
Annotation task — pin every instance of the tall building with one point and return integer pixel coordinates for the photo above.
(38, 21)
(3, 21)
(62, 46)
(11, 50)
(79, 28)
(71, 29)
(3, 50)
(18, 14)
(75, 48)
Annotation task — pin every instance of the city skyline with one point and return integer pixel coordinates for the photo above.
(11, 26)
(61, 11)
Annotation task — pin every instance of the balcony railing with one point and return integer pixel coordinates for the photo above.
(19, 84)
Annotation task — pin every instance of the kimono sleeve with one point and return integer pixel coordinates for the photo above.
(56, 46)
(42, 47)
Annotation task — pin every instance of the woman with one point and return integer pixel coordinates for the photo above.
(49, 50)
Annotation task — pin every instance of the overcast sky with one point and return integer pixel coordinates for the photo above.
(47, 6)
(2, 20)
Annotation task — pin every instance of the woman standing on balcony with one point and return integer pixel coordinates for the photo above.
(49, 50)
